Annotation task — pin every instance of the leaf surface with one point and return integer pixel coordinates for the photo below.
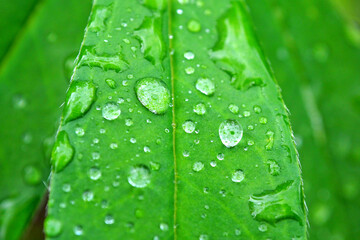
(186, 136)
(32, 86)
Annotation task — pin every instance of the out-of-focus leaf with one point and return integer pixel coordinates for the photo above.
(315, 55)
(186, 138)
(32, 85)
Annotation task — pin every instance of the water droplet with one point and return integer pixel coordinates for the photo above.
(62, 152)
(188, 126)
(220, 156)
(263, 120)
(78, 230)
(19, 101)
(247, 114)
(189, 55)
(129, 122)
(189, 70)
(79, 131)
(237, 232)
(88, 196)
(194, 26)
(164, 227)
(94, 173)
(200, 109)
(113, 145)
(205, 86)
(153, 94)
(147, 149)
(132, 140)
(263, 228)
(321, 53)
(111, 83)
(270, 141)
(273, 167)
(79, 98)
(203, 237)
(66, 187)
(111, 111)
(139, 176)
(186, 154)
(238, 176)
(284, 202)
(257, 109)
(234, 109)
(230, 132)
(32, 175)
(111, 62)
(154, 166)
(213, 163)
(198, 166)
(109, 219)
(52, 227)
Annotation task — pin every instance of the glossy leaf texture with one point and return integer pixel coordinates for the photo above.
(33, 80)
(174, 128)
(315, 53)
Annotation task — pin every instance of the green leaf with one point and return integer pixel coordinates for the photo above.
(187, 136)
(33, 80)
(316, 64)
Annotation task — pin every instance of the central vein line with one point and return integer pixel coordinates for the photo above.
(173, 113)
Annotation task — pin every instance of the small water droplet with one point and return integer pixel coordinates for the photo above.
(213, 164)
(153, 94)
(203, 237)
(263, 120)
(164, 227)
(200, 109)
(79, 98)
(78, 230)
(188, 126)
(263, 228)
(189, 55)
(257, 109)
(246, 113)
(66, 187)
(111, 83)
(139, 176)
(113, 145)
(111, 111)
(154, 166)
(205, 86)
(147, 149)
(62, 152)
(32, 175)
(109, 220)
(194, 26)
(79, 131)
(234, 108)
(88, 196)
(189, 70)
(273, 167)
(94, 173)
(220, 156)
(270, 140)
(129, 122)
(198, 166)
(52, 227)
(237, 232)
(238, 176)
(230, 132)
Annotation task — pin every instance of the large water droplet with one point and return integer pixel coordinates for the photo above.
(230, 132)
(238, 176)
(153, 94)
(188, 126)
(62, 152)
(111, 111)
(205, 86)
(139, 176)
(52, 227)
(79, 98)
(284, 202)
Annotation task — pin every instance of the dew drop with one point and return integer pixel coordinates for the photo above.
(257, 109)
(198, 166)
(189, 55)
(88, 196)
(154, 166)
(62, 152)
(205, 86)
(220, 156)
(230, 132)
(32, 175)
(52, 227)
(262, 228)
(79, 98)
(213, 164)
(94, 173)
(188, 126)
(234, 108)
(129, 122)
(109, 220)
(139, 176)
(200, 109)
(79, 131)
(78, 230)
(66, 188)
(273, 167)
(194, 26)
(153, 94)
(111, 83)
(238, 176)
(263, 120)
(189, 70)
(164, 227)
(111, 111)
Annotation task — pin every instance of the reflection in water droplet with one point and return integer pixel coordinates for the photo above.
(284, 202)
(238, 176)
(230, 132)
(200, 109)
(52, 227)
(62, 152)
(188, 126)
(79, 98)
(153, 94)
(205, 86)
(94, 173)
(139, 176)
(111, 111)
(198, 166)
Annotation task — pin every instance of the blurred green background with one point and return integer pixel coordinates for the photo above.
(313, 47)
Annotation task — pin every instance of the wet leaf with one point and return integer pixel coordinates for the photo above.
(180, 133)
(33, 81)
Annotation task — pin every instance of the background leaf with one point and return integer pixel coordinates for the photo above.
(33, 79)
(221, 155)
(314, 53)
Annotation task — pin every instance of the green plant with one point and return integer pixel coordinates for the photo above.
(173, 125)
